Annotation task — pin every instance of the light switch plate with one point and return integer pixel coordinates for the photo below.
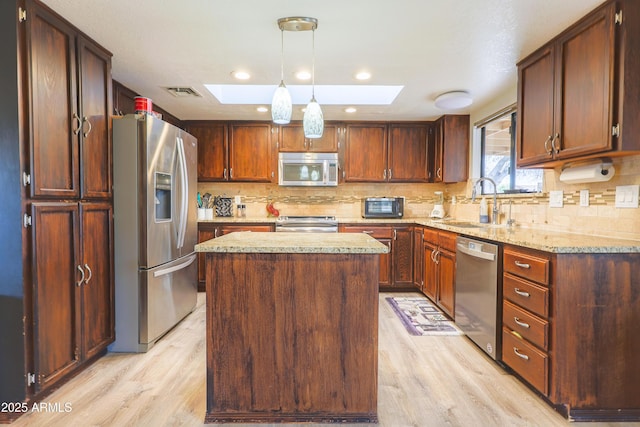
(584, 197)
(556, 199)
(627, 196)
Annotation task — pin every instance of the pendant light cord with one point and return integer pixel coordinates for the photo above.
(282, 56)
(313, 64)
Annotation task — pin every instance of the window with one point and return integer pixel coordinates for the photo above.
(498, 160)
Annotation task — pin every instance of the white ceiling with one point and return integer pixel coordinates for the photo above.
(429, 46)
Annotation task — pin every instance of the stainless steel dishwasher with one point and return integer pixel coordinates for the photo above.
(477, 304)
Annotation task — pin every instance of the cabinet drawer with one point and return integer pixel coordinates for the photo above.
(529, 326)
(430, 235)
(447, 240)
(526, 265)
(527, 361)
(373, 231)
(526, 294)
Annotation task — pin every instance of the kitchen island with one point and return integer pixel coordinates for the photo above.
(292, 327)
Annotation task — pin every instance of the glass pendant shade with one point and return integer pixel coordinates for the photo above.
(313, 121)
(281, 105)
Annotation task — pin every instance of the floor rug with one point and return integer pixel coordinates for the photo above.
(420, 317)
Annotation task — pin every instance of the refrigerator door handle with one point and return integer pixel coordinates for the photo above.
(180, 266)
(182, 229)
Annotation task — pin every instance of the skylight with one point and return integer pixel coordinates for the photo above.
(300, 94)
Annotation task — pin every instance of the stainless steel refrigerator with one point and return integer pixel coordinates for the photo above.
(155, 225)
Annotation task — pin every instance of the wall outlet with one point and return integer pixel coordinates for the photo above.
(584, 197)
(556, 199)
(627, 196)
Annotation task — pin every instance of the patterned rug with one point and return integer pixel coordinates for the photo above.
(420, 317)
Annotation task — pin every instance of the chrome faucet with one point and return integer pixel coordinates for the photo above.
(495, 210)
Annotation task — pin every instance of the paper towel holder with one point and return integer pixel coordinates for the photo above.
(600, 170)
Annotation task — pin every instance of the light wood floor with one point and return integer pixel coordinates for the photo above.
(423, 381)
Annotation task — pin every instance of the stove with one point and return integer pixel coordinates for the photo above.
(307, 224)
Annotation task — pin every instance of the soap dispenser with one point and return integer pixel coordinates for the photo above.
(484, 211)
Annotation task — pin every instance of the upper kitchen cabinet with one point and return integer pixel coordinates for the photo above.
(365, 152)
(235, 151)
(69, 89)
(408, 152)
(451, 149)
(291, 139)
(213, 140)
(577, 95)
(251, 154)
(124, 102)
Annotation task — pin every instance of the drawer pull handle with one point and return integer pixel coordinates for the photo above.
(522, 293)
(522, 264)
(520, 355)
(367, 231)
(521, 323)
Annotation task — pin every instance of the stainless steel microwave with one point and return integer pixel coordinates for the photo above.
(308, 169)
(383, 207)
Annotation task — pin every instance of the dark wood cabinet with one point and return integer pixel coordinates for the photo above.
(212, 230)
(124, 103)
(450, 150)
(408, 152)
(213, 142)
(291, 139)
(365, 152)
(396, 266)
(439, 268)
(574, 97)
(70, 147)
(418, 257)
(73, 293)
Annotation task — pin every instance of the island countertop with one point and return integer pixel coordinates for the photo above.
(264, 242)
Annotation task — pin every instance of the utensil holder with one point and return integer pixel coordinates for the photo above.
(208, 213)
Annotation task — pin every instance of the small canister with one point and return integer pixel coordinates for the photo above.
(143, 105)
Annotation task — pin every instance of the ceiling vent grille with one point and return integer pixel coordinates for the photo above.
(183, 92)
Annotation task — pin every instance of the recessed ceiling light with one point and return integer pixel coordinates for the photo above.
(303, 75)
(262, 109)
(350, 110)
(363, 75)
(241, 75)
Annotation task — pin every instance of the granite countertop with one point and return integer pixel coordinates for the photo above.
(544, 240)
(325, 243)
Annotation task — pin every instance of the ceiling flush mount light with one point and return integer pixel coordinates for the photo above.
(453, 100)
(281, 101)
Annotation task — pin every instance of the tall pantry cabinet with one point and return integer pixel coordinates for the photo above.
(62, 201)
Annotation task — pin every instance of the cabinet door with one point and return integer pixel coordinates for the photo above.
(446, 281)
(535, 108)
(56, 291)
(212, 150)
(451, 161)
(366, 153)
(97, 289)
(53, 117)
(329, 141)
(430, 271)
(584, 104)
(403, 257)
(205, 232)
(418, 257)
(385, 279)
(408, 144)
(250, 153)
(292, 138)
(95, 111)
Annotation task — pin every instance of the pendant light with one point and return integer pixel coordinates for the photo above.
(313, 120)
(281, 102)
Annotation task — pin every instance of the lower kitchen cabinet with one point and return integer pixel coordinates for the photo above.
(396, 267)
(212, 230)
(570, 329)
(418, 257)
(439, 268)
(73, 275)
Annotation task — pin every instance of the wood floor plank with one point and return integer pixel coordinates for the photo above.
(422, 382)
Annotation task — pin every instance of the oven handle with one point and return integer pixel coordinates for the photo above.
(476, 254)
(308, 229)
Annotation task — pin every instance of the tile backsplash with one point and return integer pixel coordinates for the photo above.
(601, 217)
